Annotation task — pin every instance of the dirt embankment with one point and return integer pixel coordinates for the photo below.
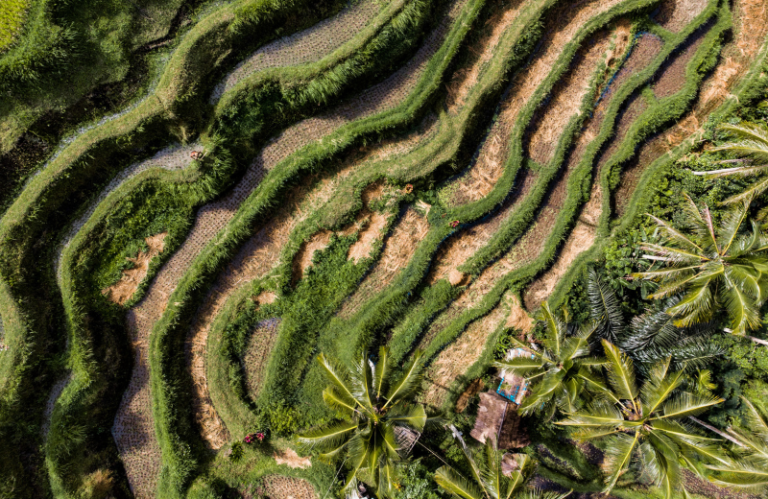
(121, 291)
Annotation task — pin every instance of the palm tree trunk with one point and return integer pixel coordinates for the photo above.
(715, 430)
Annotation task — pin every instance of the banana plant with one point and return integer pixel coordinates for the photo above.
(371, 409)
(560, 371)
(647, 427)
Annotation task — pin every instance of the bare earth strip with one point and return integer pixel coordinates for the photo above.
(303, 47)
(282, 487)
(260, 254)
(676, 15)
(461, 354)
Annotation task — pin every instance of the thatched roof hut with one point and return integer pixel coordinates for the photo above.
(497, 419)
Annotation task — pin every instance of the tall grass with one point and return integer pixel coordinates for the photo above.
(12, 16)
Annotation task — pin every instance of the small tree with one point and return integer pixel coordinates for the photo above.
(371, 406)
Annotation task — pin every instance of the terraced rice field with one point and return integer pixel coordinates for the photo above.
(421, 174)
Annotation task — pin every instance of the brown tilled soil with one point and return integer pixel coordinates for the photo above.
(399, 247)
(463, 80)
(676, 15)
(289, 458)
(283, 487)
(580, 239)
(563, 25)
(634, 109)
(461, 355)
(134, 428)
(305, 46)
(459, 248)
(257, 353)
(549, 121)
(372, 226)
(751, 20)
(672, 78)
(122, 290)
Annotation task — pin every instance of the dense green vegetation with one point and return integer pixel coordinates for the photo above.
(199, 199)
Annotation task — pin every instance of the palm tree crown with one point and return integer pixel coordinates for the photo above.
(372, 408)
(488, 480)
(646, 427)
(712, 267)
(560, 371)
(751, 470)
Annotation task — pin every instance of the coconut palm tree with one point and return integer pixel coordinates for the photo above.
(488, 480)
(712, 267)
(372, 409)
(560, 371)
(647, 428)
(750, 140)
(750, 469)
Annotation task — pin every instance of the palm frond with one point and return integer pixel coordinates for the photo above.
(337, 379)
(687, 404)
(748, 194)
(381, 372)
(455, 484)
(604, 306)
(329, 436)
(621, 374)
(617, 457)
(409, 382)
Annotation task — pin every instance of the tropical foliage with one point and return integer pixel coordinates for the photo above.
(713, 266)
(750, 469)
(560, 371)
(646, 428)
(488, 480)
(372, 408)
(751, 141)
(653, 336)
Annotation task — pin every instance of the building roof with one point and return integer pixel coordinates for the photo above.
(497, 419)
